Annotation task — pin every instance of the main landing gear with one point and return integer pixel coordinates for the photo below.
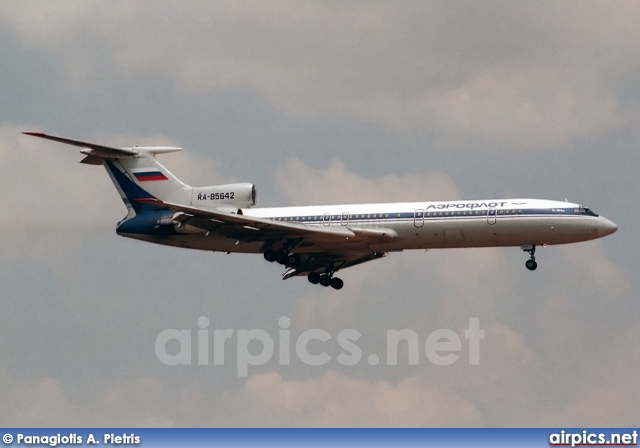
(290, 260)
(325, 280)
(283, 257)
(531, 262)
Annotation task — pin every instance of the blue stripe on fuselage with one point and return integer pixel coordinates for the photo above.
(146, 224)
(434, 215)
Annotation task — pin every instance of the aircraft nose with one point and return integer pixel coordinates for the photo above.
(606, 227)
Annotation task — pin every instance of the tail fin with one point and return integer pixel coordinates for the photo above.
(145, 177)
(135, 172)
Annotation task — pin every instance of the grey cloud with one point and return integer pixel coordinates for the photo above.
(513, 73)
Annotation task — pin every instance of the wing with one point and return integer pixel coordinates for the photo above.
(250, 228)
(323, 247)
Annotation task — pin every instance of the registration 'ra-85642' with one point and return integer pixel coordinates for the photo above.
(216, 196)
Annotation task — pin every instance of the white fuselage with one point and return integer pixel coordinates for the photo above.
(424, 225)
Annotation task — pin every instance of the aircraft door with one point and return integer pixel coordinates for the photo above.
(326, 219)
(418, 218)
(344, 219)
(491, 216)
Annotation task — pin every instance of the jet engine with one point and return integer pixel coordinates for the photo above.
(230, 196)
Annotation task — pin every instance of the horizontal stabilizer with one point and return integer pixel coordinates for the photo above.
(95, 152)
(101, 148)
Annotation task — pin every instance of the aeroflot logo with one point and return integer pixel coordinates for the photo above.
(470, 205)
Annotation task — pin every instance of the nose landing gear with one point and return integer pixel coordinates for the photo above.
(531, 262)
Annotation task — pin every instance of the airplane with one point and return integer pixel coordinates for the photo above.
(320, 240)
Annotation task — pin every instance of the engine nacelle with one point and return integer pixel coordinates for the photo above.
(224, 196)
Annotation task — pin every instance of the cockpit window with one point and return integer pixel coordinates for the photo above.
(584, 211)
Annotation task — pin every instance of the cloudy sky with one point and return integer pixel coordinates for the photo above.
(319, 102)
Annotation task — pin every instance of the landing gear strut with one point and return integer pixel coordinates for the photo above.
(531, 262)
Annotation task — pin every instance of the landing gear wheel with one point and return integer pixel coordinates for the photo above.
(325, 280)
(531, 262)
(337, 283)
(293, 260)
(270, 255)
(313, 277)
(281, 257)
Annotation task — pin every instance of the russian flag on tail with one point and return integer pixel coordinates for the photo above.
(145, 176)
